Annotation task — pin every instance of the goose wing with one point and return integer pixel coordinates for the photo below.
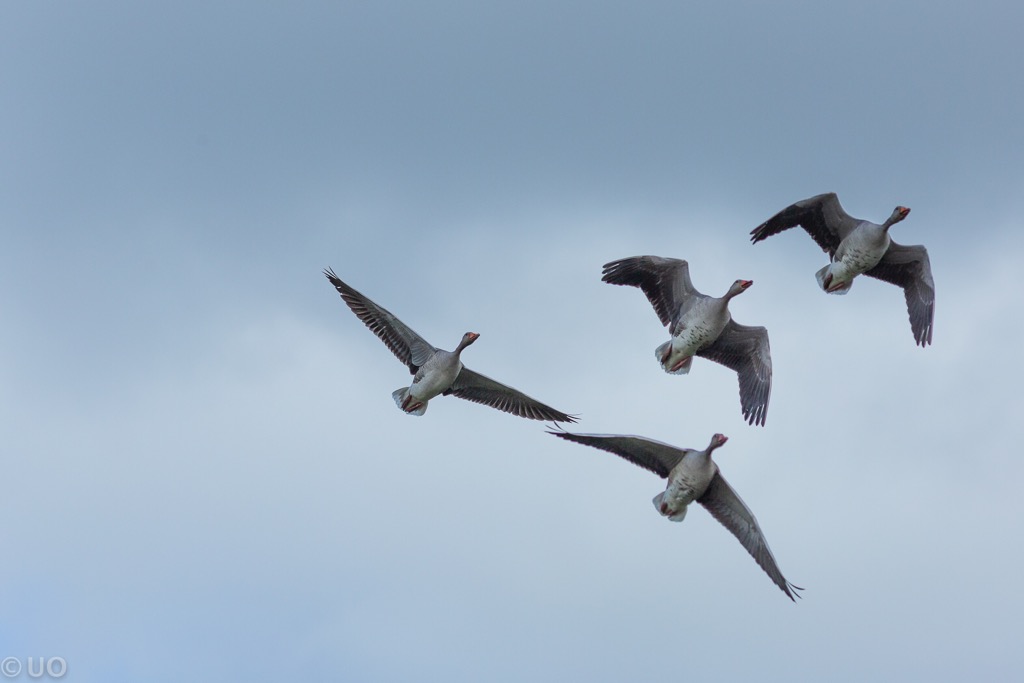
(478, 388)
(729, 509)
(822, 217)
(910, 268)
(409, 347)
(652, 455)
(746, 351)
(665, 281)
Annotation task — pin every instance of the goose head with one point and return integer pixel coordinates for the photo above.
(716, 441)
(898, 214)
(467, 339)
(738, 287)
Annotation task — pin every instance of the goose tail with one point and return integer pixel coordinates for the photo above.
(664, 355)
(824, 278)
(402, 398)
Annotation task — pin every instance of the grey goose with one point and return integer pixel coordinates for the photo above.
(693, 476)
(436, 371)
(701, 325)
(861, 247)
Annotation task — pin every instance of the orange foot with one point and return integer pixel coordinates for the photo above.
(408, 405)
(838, 288)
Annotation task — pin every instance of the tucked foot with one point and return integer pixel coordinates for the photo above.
(840, 287)
(680, 364)
(410, 404)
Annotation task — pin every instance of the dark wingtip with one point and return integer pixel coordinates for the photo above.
(548, 413)
(608, 271)
(755, 417)
(623, 271)
(556, 430)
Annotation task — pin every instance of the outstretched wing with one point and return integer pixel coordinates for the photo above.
(745, 350)
(475, 387)
(727, 507)
(910, 268)
(665, 281)
(822, 217)
(408, 347)
(652, 455)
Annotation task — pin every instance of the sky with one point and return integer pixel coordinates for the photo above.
(204, 474)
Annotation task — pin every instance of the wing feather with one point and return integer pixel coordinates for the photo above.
(652, 455)
(409, 347)
(665, 281)
(728, 508)
(822, 216)
(478, 388)
(745, 350)
(911, 269)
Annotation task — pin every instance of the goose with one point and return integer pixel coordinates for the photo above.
(861, 247)
(693, 476)
(701, 325)
(436, 371)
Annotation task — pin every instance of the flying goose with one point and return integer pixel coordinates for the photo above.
(856, 246)
(436, 371)
(693, 476)
(701, 325)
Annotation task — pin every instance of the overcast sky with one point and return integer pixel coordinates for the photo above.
(205, 478)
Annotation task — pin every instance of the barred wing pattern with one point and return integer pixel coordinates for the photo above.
(475, 387)
(745, 350)
(409, 347)
(822, 217)
(728, 508)
(911, 269)
(652, 455)
(665, 281)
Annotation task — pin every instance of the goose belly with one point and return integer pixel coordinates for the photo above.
(431, 381)
(699, 327)
(692, 339)
(860, 252)
(854, 262)
(672, 503)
